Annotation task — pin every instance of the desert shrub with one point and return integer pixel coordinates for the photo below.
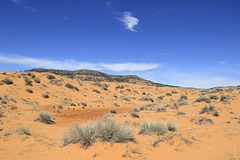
(94, 90)
(104, 86)
(13, 100)
(28, 81)
(182, 97)
(33, 76)
(37, 80)
(1, 112)
(129, 90)
(201, 120)
(181, 103)
(203, 99)
(162, 109)
(229, 90)
(168, 94)
(119, 87)
(45, 95)
(171, 127)
(53, 107)
(69, 85)
(224, 98)
(160, 98)
(134, 110)
(60, 107)
(45, 117)
(114, 95)
(50, 76)
(29, 90)
(134, 115)
(104, 130)
(84, 104)
(210, 109)
(113, 111)
(23, 130)
(146, 99)
(148, 128)
(174, 92)
(7, 81)
(4, 101)
(124, 98)
(175, 106)
(215, 97)
(116, 104)
(148, 106)
(181, 113)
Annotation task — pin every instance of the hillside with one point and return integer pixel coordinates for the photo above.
(89, 75)
(114, 120)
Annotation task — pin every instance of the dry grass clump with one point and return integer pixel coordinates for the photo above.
(149, 128)
(23, 130)
(210, 109)
(124, 98)
(215, 97)
(97, 91)
(203, 99)
(182, 97)
(171, 126)
(174, 92)
(134, 114)
(146, 99)
(29, 90)
(69, 85)
(45, 117)
(162, 109)
(50, 76)
(7, 81)
(45, 95)
(183, 102)
(37, 80)
(104, 86)
(175, 106)
(105, 131)
(28, 81)
(113, 111)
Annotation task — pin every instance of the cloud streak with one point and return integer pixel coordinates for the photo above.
(129, 21)
(75, 65)
(16, 1)
(30, 8)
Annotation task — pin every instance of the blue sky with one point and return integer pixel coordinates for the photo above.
(191, 43)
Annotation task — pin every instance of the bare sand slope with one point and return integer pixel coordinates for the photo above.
(214, 134)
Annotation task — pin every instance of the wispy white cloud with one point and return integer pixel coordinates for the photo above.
(129, 21)
(75, 65)
(30, 8)
(16, 1)
(65, 18)
(109, 4)
(221, 62)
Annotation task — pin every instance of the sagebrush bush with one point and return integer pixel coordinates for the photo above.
(37, 80)
(203, 99)
(28, 81)
(183, 102)
(183, 97)
(60, 107)
(113, 111)
(45, 95)
(134, 110)
(23, 130)
(97, 91)
(175, 106)
(104, 86)
(174, 92)
(210, 109)
(171, 126)
(45, 117)
(168, 94)
(124, 98)
(29, 90)
(146, 99)
(50, 76)
(162, 109)
(160, 98)
(149, 128)
(215, 97)
(224, 98)
(69, 85)
(106, 131)
(134, 114)
(7, 81)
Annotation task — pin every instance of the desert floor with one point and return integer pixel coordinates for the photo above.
(195, 138)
